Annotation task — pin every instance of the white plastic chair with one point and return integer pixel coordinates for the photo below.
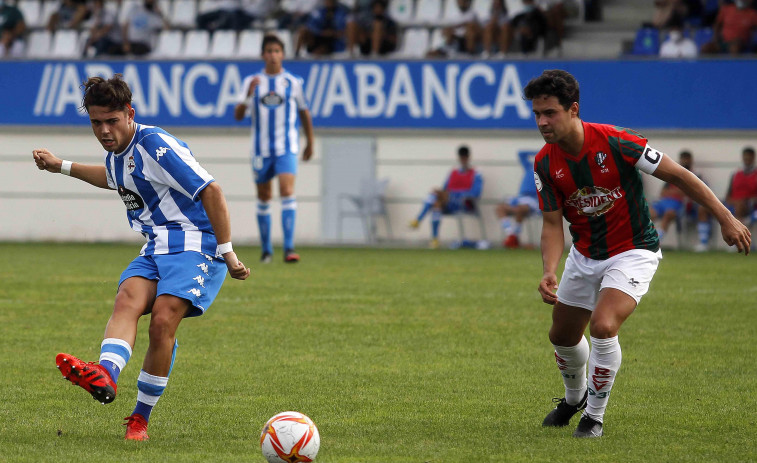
(169, 44)
(223, 44)
(183, 14)
(48, 8)
(483, 9)
(402, 11)
(368, 204)
(250, 41)
(285, 35)
(196, 44)
(39, 44)
(126, 7)
(415, 43)
(66, 44)
(31, 10)
(428, 12)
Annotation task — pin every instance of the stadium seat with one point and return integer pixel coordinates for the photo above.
(401, 11)
(428, 12)
(65, 44)
(437, 39)
(196, 43)
(31, 10)
(223, 44)
(48, 7)
(647, 42)
(39, 44)
(169, 44)
(183, 14)
(370, 203)
(415, 42)
(702, 36)
(450, 11)
(250, 41)
(285, 35)
(126, 7)
(206, 5)
(483, 9)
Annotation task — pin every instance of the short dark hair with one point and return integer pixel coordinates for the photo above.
(113, 93)
(554, 82)
(271, 38)
(685, 154)
(463, 151)
(748, 149)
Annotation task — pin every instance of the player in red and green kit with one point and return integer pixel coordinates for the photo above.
(589, 174)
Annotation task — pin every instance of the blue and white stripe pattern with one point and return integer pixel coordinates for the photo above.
(159, 181)
(274, 108)
(116, 351)
(150, 388)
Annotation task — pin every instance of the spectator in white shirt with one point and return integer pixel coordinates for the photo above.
(677, 45)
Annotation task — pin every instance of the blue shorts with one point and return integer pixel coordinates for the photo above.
(667, 204)
(190, 275)
(531, 201)
(264, 169)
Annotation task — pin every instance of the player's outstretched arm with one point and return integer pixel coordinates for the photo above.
(218, 213)
(94, 175)
(552, 245)
(734, 232)
(307, 126)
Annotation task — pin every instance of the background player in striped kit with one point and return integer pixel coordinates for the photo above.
(181, 210)
(589, 174)
(278, 106)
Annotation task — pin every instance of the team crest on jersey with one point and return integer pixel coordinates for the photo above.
(600, 159)
(272, 99)
(130, 164)
(594, 201)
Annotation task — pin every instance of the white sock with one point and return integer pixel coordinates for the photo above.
(604, 363)
(572, 364)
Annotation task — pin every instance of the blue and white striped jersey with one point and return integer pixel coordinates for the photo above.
(274, 109)
(159, 181)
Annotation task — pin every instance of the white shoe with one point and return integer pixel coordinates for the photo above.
(700, 247)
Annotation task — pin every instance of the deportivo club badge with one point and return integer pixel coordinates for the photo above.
(600, 158)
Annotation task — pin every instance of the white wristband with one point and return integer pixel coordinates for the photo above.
(65, 168)
(224, 248)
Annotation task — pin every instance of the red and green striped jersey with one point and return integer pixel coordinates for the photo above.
(600, 191)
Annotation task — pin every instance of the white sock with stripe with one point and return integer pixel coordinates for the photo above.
(572, 364)
(604, 363)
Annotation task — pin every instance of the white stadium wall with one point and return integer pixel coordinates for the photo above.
(39, 206)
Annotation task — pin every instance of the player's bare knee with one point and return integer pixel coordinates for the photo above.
(561, 338)
(603, 328)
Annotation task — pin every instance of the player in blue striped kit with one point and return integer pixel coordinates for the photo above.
(179, 208)
(277, 107)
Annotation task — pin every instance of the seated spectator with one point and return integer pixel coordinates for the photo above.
(741, 197)
(733, 27)
(677, 45)
(233, 14)
(459, 193)
(293, 14)
(528, 27)
(463, 33)
(496, 31)
(373, 31)
(512, 213)
(140, 30)
(105, 35)
(12, 30)
(673, 206)
(69, 15)
(325, 30)
(554, 12)
(667, 12)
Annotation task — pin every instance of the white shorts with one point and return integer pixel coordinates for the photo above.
(583, 278)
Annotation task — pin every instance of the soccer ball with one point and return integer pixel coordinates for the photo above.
(290, 437)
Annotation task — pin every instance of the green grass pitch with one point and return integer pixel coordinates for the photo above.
(397, 355)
